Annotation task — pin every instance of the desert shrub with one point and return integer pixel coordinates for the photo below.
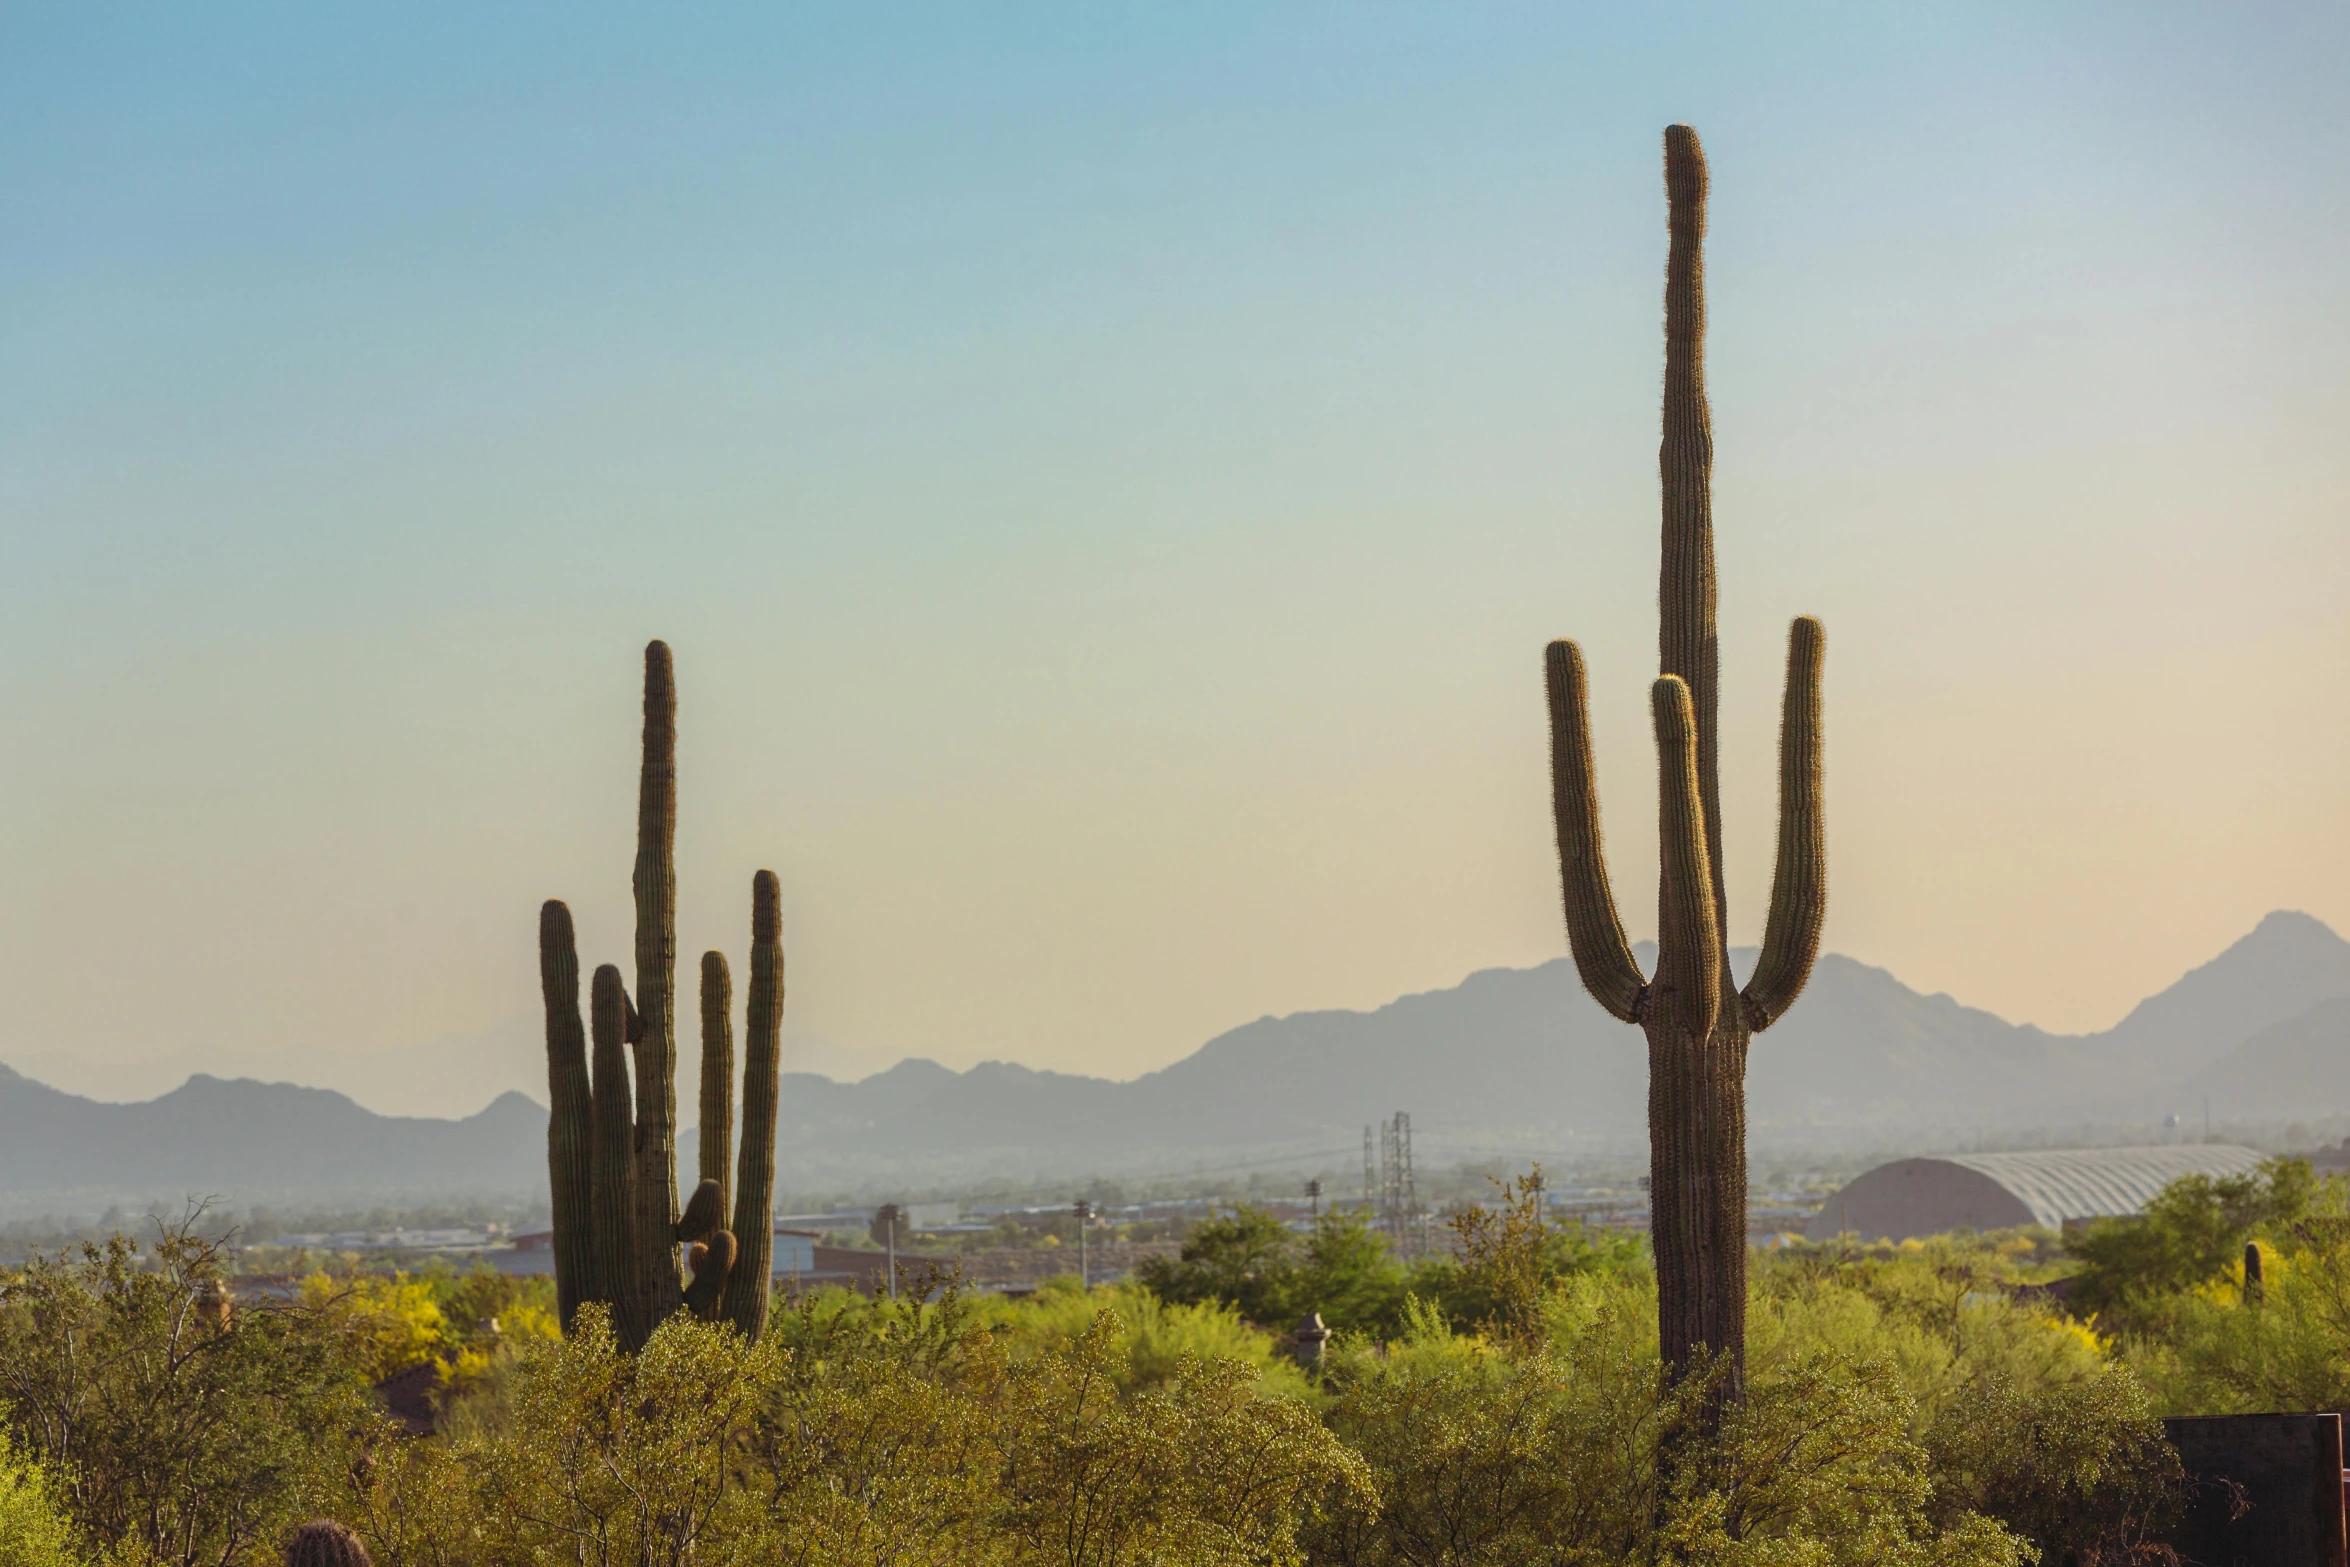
(2025, 1414)
(170, 1439)
(1509, 1262)
(1576, 1450)
(2220, 1349)
(34, 1529)
(390, 1323)
(861, 1432)
(393, 1322)
(2190, 1234)
(607, 1459)
(1250, 1261)
(2080, 1469)
(989, 1431)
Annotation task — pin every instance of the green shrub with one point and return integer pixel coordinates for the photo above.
(34, 1530)
(1576, 1451)
(2193, 1232)
(169, 1437)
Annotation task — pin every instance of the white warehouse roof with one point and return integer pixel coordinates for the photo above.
(1994, 1191)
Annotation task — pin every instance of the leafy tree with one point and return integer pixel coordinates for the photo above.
(2191, 1233)
(2217, 1349)
(174, 1438)
(1351, 1278)
(2080, 1470)
(1247, 1259)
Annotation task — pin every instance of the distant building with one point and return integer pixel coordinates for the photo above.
(1997, 1191)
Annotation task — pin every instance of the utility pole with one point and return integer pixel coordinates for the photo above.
(1314, 1195)
(1535, 1183)
(1084, 1212)
(886, 1220)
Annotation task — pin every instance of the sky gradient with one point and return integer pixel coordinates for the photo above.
(1108, 475)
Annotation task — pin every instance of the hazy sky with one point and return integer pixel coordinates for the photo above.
(1108, 474)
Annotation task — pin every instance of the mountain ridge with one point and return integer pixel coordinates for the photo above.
(1505, 1051)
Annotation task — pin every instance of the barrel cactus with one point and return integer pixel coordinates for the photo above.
(324, 1543)
(1699, 1022)
(612, 1132)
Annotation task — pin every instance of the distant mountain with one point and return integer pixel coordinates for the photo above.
(1506, 1053)
(2297, 1068)
(219, 1135)
(2287, 965)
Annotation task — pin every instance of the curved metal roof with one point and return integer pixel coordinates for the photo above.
(2093, 1183)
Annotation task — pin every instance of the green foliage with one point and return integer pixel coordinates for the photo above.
(1578, 1450)
(1510, 1261)
(1252, 1262)
(1905, 1404)
(169, 1440)
(2214, 1349)
(2081, 1469)
(1247, 1260)
(34, 1528)
(2190, 1234)
(901, 1435)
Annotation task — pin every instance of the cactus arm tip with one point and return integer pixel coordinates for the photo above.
(1595, 934)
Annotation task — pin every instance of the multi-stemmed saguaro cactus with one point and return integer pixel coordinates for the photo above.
(1697, 1019)
(611, 1143)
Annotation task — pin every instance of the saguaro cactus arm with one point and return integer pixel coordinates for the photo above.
(713, 1262)
(1799, 888)
(658, 1285)
(1594, 932)
(717, 1102)
(612, 1223)
(570, 1114)
(754, 1187)
(1689, 944)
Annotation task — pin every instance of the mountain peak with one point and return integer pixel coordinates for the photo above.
(2285, 965)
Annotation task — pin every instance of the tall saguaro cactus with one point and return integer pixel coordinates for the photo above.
(611, 1141)
(754, 1186)
(1697, 1019)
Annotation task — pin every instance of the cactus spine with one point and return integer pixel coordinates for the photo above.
(611, 1141)
(1698, 1022)
(754, 1187)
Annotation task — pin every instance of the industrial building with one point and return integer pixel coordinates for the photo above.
(1997, 1191)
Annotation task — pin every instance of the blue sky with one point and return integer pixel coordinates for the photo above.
(1108, 474)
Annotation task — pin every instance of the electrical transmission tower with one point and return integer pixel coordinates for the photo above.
(1370, 1172)
(1399, 1199)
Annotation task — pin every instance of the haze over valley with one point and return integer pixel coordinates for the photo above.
(1513, 1063)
